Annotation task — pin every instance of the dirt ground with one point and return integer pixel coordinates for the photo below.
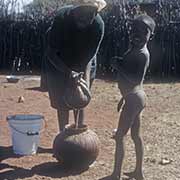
(160, 129)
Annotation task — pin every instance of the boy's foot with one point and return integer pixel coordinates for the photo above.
(136, 175)
(111, 177)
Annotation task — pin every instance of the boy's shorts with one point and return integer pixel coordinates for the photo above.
(133, 106)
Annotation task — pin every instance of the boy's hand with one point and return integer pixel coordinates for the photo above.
(116, 62)
(120, 104)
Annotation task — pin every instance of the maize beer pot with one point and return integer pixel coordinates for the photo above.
(76, 147)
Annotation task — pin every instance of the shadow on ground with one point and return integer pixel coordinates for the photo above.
(7, 152)
(37, 89)
(48, 169)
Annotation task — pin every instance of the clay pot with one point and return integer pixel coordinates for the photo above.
(76, 147)
(77, 94)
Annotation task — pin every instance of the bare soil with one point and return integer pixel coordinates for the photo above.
(160, 131)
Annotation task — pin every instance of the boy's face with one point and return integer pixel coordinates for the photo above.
(139, 34)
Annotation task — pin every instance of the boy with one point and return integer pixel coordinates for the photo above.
(130, 82)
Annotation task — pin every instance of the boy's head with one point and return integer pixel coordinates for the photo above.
(142, 28)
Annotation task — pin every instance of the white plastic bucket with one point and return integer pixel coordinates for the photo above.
(25, 130)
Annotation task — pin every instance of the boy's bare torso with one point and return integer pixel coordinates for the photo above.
(131, 73)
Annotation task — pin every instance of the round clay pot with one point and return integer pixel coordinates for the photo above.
(76, 147)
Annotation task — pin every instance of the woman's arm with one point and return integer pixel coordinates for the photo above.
(56, 61)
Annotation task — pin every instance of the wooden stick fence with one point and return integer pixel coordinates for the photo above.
(23, 39)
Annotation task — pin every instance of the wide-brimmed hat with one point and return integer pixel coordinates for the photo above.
(100, 4)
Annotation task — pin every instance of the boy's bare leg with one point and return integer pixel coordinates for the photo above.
(63, 118)
(139, 149)
(125, 122)
(119, 156)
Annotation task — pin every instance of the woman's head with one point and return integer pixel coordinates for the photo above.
(84, 15)
(100, 4)
(85, 11)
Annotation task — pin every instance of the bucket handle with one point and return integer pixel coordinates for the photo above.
(29, 133)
